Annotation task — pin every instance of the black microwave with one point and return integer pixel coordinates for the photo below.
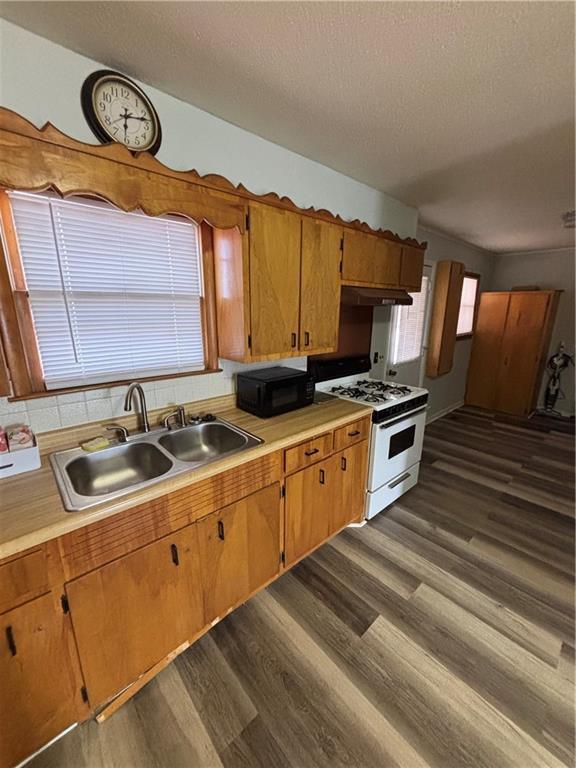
(270, 391)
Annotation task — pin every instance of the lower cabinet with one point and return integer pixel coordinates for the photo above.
(323, 498)
(40, 681)
(131, 613)
(239, 550)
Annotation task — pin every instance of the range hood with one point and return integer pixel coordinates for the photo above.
(373, 297)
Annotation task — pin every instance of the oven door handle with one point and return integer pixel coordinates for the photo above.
(404, 417)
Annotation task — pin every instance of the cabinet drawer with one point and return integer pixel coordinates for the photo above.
(307, 453)
(351, 433)
(22, 579)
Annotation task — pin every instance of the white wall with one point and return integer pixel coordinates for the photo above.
(546, 269)
(447, 392)
(41, 81)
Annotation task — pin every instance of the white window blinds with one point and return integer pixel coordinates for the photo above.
(467, 306)
(114, 295)
(408, 327)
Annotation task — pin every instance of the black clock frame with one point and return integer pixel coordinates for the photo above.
(90, 113)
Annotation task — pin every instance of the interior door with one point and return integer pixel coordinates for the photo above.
(310, 496)
(350, 490)
(320, 286)
(275, 240)
(239, 550)
(407, 329)
(486, 350)
(131, 613)
(521, 350)
(40, 679)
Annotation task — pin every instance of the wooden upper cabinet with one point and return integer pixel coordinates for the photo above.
(275, 240)
(444, 319)
(40, 692)
(239, 550)
(131, 613)
(319, 286)
(412, 268)
(370, 260)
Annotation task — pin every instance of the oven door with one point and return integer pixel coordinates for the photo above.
(395, 447)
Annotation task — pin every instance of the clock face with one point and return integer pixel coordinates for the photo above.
(118, 110)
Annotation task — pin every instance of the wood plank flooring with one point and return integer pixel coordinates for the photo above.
(440, 635)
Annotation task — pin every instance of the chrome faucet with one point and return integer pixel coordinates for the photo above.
(143, 409)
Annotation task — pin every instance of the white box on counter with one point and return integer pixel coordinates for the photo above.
(20, 460)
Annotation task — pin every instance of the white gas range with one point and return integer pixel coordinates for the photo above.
(398, 420)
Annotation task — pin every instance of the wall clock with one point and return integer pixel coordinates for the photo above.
(116, 109)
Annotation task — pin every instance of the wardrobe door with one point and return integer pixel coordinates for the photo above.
(521, 351)
(484, 365)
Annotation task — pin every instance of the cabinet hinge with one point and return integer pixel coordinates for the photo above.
(247, 222)
(249, 341)
(282, 491)
(84, 694)
(65, 604)
(282, 557)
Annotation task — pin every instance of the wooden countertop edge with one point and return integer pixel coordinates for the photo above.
(72, 521)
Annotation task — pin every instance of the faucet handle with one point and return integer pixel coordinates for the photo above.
(123, 432)
(178, 413)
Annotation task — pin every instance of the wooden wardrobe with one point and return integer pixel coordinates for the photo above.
(511, 341)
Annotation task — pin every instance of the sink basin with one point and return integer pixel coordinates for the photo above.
(117, 468)
(203, 442)
(87, 479)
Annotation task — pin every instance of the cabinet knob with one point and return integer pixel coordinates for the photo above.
(293, 340)
(306, 339)
(354, 434)
(311, 452)
(221, 530)
(343, 463)
(322, 477)
(10, 640)
(174, 551)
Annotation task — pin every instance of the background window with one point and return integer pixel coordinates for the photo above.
(113, 295)
(467, 305)
(408, 327)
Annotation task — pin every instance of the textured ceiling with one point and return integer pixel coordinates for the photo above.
(464, 110)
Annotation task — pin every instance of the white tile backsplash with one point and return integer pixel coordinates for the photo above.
(48, 413)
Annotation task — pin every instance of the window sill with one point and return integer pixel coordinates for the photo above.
(108, 385)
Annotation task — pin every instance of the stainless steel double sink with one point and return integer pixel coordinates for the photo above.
(86, 479)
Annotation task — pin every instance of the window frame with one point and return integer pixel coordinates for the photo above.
(21, 363)
(469, 334)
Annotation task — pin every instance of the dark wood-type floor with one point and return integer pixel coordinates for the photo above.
(441, 634)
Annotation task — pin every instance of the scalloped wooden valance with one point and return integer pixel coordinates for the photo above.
(35, 159)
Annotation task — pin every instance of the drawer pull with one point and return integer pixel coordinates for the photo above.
(10, 640)
(399, 480)
(306, 338)
(322, 477)
(174, 551)
(343, 463)
(312, 452)
(293, 340)
(221, 530)
(353, 434)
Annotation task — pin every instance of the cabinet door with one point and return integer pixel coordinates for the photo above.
(239, 550)
(320, 286)
(444, 320)
(412, 268)
(486, 350)
(310, 495)
(521, 350)
(350, 486)
(131, 613)
(275, 238)
(40, 689)
(370, 259)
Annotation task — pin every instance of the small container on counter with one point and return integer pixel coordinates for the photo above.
(18, 450)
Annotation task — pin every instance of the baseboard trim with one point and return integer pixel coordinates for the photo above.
(444, 412)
